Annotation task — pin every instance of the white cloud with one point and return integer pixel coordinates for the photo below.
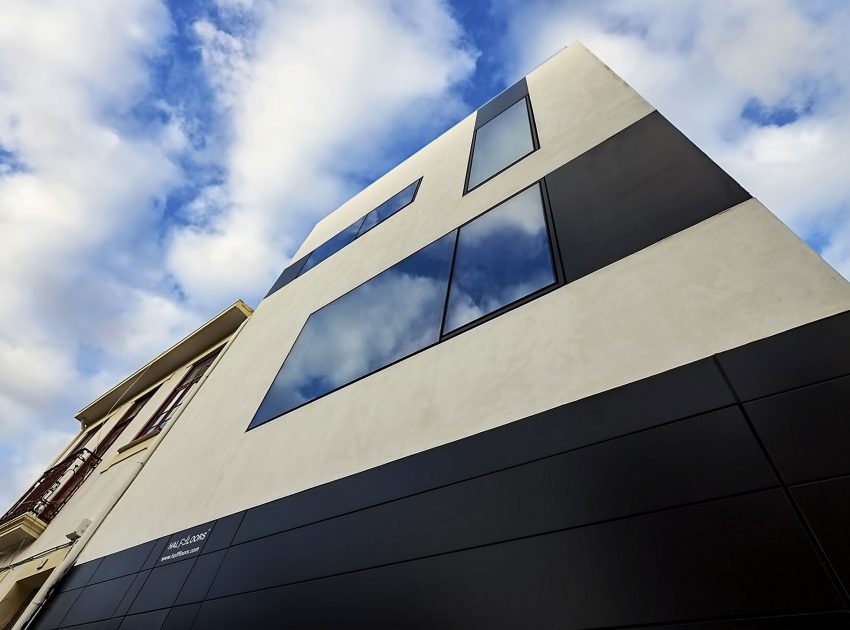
(84, 185)
(95, 280)
(310, 98)
(312, 91)
(701, 63)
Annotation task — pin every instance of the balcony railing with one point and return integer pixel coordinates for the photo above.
(53, 489)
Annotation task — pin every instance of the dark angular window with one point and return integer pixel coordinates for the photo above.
(331, 246)
(385, 319)
(501, 142)
(389, 207)
(360, 226)
(502, 256)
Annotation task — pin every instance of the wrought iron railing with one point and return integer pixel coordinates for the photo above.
(51, 492)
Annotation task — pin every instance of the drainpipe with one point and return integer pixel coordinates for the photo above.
(41, 597)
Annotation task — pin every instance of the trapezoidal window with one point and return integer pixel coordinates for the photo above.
(387, 318)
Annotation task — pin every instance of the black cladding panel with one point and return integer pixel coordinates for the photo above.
(80, 575)
(643, 184)
(145, 621)
(807, 431)
(737, 556)
(696, 459)
(200, 578)
(123, 563)
(57, 607)
(132, 592)
(826, 506)
(223, 533)
(801, 356)
(163, 585)
(98, 601)
(181, 617)
(156, 552)
(822, 621)
(105, 624)
(685, 391)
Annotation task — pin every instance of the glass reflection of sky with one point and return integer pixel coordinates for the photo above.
(500, 142)
(389, 317)
(502, 256)
(388, 208)
(331, 246)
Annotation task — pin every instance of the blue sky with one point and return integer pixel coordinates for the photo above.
(159, 160)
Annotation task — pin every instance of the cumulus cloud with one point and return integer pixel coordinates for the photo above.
(156, 163)
(763, 86)
(312, 92)
(78, 183)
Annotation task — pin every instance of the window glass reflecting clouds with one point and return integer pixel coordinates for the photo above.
(388, 208)
(389, 317)
(331, 246)
(361, 226)
(502, 256)
(500, 142)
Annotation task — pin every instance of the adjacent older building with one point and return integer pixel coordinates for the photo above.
(557, 369)
(118, 433)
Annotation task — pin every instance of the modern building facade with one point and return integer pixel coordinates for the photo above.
(118, 433)
(557, 369)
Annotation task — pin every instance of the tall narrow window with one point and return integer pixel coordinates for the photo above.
(70, 487)
(176, 397)
(391, 316)
(122, 424)
(500, 142)
(502, 256)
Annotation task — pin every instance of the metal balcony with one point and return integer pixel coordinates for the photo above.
(54, 488)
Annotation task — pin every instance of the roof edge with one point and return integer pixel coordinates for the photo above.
(216, 329)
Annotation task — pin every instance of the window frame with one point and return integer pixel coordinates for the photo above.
(535, 143)
(65, 491)
(554, 257)
(417, 183)
(154, 424)
(554, 253)
(357, 233)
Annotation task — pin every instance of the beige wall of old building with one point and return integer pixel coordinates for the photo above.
(101, 488)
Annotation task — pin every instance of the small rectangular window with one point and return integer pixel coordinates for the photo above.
(501, 142)
(502, 256)
(391, 316)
